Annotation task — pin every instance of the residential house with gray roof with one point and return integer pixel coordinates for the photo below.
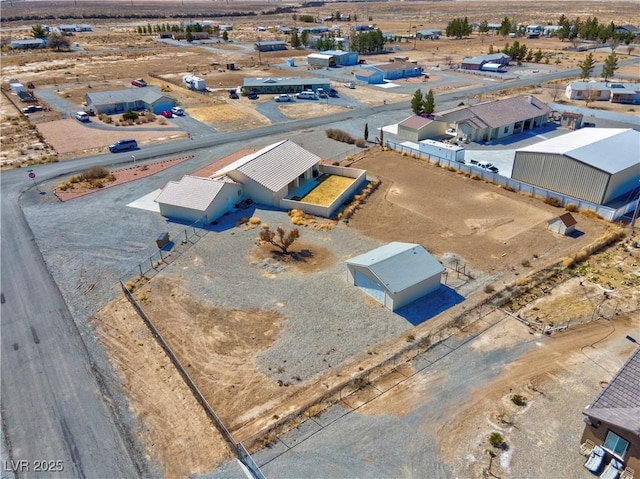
(135, 99)
(613, 419)
(496, 119)
(477, 63)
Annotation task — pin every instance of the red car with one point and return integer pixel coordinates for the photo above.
(139, 82)
(166, 114)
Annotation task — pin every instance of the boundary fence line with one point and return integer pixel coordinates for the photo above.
(608, 213)
(237, 447)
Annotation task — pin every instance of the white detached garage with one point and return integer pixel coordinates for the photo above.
(395, 274)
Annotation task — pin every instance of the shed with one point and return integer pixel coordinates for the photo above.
(342, 57)
(491, 67)
(321, 60)
(564, 224)
(417, 127)
(570, 120)
(395, 274)
(580, 164)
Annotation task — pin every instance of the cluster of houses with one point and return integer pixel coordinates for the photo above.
(578, 165)
(66, 29)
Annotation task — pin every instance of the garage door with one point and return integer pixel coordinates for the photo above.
(370, 287)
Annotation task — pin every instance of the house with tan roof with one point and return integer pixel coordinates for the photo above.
(496, 119)
(278, 175)
(613, 419)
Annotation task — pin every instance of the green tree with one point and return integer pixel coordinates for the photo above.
(429, 104)
(366, 132)
(295, 39)
(417, 102)
(279, 238)
(610, 66)
(483, 27)
(458, 28)
(38, 31)
(189, 36)
(587, 66)
(537, 56)
(304, 37)
(58, 41)
(505, 27)
(225, 36)
(139, 30)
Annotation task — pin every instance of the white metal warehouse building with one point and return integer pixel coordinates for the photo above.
(395, 274)
(592, 164)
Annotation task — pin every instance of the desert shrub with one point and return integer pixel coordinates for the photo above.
(130, 115)
(571, 207)
(526, 263)
(74, 179)
(129, 285)
(105, 118)
(509, 188)
(254, 220)
(361, 143)
(496, 439)
(553, 201)
(162, 120)
(519, 400)
(94, 173)
(411, 338)
(340, 135)
(489, 289)
(63, 186)
(591, 214)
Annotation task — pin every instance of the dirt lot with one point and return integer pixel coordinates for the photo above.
(499, 235)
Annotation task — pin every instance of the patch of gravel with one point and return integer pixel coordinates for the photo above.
(327, 321)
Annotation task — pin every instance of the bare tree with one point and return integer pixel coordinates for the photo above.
(280, 238)
(630, 48)
(590, 95)
(556, 88)
(58, 41)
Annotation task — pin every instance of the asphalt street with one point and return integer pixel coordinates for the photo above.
(53, 406)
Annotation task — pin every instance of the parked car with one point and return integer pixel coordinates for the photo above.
(82, 116)
(123, 145)
(350, 85)
(32, 108)
(488, 166)
(587, 124)
(321, 93)
(307, 95)
(233, 94)
(176, 110)
(333, 93)
(166, 114)
(283, 97)
(252, 95)
(139, 82)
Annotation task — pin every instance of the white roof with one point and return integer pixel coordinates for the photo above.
(608, 149)
(274, 166)
(190, 192)
(399, 266)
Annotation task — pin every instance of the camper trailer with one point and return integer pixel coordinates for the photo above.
(193, 82)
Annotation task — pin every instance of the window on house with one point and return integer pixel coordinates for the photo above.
(506, 129)
(616, 444)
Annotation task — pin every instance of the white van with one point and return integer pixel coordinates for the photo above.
(82, 116)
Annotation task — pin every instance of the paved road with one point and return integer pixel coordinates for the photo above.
(52, 403)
